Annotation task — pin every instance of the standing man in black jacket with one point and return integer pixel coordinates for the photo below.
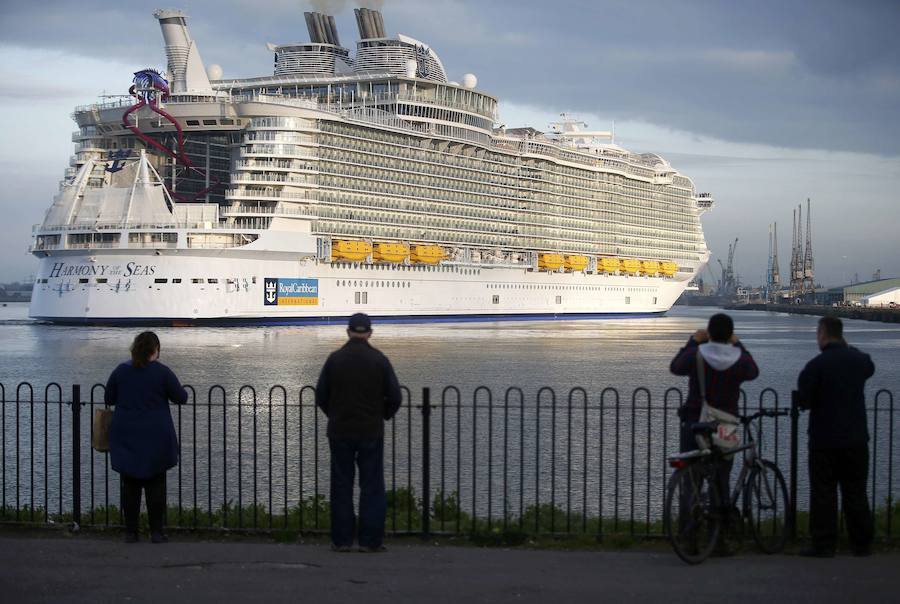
(358, 391)
(831, 387)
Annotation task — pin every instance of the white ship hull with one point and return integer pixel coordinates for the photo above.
(203, 287)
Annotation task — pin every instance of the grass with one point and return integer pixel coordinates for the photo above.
(543, 526)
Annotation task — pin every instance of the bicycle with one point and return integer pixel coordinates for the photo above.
(694, 514)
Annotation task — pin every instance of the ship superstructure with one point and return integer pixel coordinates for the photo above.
(349, 182)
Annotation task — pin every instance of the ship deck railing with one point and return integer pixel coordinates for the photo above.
(119, 227)
(628, 163)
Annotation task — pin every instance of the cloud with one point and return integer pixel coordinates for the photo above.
(806, 73)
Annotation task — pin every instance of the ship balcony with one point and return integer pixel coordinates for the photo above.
(272, 166)
(243, 178)
(247, 154)
(250, 209)
(705, 201)
(269, 195)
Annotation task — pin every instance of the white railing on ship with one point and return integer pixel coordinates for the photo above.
(277, 209)
(267, 194)
(371, 101)
(198, 225)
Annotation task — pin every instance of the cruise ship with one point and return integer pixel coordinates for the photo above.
(348, 182)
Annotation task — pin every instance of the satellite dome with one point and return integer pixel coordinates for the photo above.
(214, 72)
(469, 81)
(411, 68)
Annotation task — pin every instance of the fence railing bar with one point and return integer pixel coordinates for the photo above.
(633, 459)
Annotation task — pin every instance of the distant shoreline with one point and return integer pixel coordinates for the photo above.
(884, 315)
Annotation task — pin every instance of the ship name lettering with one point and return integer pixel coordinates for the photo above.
(133, 269)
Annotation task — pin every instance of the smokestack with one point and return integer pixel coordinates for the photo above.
(359, 23)
(379, 24)
(370, 23)
(310, 27)
(321, 34)
(322, 29)
(185, 66)
(332, 28)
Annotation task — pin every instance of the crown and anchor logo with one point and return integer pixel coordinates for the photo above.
(118, 159)
(271, 292)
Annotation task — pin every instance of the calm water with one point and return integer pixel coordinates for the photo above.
(592, 354)
(492, 458)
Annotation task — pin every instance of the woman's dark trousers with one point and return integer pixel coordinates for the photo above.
(368, 456)
(155, 489)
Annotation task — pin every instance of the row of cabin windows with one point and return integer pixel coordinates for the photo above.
(176, 280)
(496, 299)
(592, 288)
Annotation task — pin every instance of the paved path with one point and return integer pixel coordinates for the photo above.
(51, 568)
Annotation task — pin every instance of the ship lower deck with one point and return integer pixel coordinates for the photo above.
(129, 288)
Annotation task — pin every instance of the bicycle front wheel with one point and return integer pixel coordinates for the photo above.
(766, 506)
(691, 517)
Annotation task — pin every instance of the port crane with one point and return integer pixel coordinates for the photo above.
(728, 283)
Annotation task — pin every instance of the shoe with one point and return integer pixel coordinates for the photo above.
(372, 550)
(159, 538)
(343, 549)
(131, 538)
(815, 552)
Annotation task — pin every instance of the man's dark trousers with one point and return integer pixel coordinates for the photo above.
(848, 468)
(368, 456)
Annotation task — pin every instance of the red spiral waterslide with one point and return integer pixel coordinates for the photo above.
(179, 156)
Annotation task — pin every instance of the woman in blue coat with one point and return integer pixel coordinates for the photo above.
(142, 440)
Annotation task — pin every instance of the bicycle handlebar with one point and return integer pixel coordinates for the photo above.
(746, 419)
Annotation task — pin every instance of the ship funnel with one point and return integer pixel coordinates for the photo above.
(186, 70)
(322, 29)
(370, 23)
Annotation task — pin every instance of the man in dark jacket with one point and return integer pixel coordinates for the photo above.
(727, 364)
(831, 387)
(358, 391)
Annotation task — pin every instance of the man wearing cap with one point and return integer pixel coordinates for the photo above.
(358, 390)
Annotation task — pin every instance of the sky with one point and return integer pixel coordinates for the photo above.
(763, 104)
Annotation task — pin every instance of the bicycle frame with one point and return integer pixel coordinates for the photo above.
(711, 457)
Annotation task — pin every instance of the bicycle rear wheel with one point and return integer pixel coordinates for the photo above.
(691, 517)
(766, 506)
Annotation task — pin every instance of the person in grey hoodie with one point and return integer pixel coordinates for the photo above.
(727, 365)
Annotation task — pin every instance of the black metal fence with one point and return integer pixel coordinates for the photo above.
(481, 462)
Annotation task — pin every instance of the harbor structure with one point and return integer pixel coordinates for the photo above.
(773, 273)
(856, 293)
